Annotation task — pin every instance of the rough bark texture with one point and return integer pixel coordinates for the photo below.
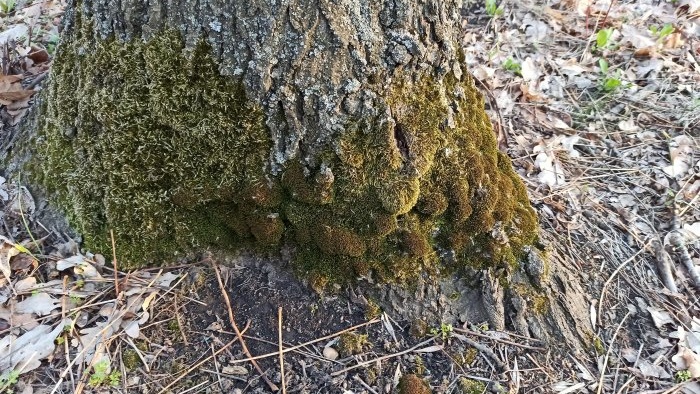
(347, 129)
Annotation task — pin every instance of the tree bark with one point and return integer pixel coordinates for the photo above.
(347, 129)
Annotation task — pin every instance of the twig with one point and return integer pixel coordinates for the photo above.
(114, 262)
(37, 80)
(199, 364)
(401, 353)
(607, 282)
(365, 385)
(485, 350)
(607, 354)
(281, 347)
(605, 18)
(269, 383)
(216, 366)
(179, 322)
(675, 238)
(663, 264)
(504, 341)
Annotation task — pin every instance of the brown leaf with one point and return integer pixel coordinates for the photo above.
(128, 315)
(9, 79)
(22, 262)
(38, 55)
(16, 95)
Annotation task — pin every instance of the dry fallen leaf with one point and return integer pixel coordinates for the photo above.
(681, 153)
(7, 251)
(41, 304)
(27, 351)
(659, 317)
(687, 359)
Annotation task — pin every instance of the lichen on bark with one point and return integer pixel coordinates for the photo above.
(149, 139)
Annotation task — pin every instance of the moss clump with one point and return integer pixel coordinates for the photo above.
(372, 310)
(471, 386)
(415, 243)
(131, 359)
(412, 384)
(469, 356)
(163, 150)
(334, 240)
(536, 300)
(351, 343)
(432, 204)
(149, 140)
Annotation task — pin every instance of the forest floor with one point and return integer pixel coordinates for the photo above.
(598, 104)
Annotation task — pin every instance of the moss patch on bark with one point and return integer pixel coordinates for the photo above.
(149, 140)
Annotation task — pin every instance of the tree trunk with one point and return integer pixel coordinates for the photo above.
(349, 130)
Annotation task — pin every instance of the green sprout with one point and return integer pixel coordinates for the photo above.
(662, 32)
(7, 6)
(7, 380)
(512, 66)
(492, 9)
(444, 331)
(101, 375)
(683, 376)
(610, 82)
(602, 39)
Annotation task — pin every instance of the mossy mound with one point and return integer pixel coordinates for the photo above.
(149, 140)
(412, 384)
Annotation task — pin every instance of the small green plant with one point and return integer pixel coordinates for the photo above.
(683, 376)
(492, 9)
(662, 32)
(51, 44)
(444, 331)
(75, 299)
(7, 6)
(512, 66)
(101, 375)
(420, 365)
(602, 38)
(610, 82)
(7, 380)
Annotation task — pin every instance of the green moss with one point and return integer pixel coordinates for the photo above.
(469, 356)
(161, 146)
(338, 241)
(131, 359)
(351, 343)
(536, 300)
(432, 204)
(372, 310)
(149, 140)
(471, 386)
(419, 365)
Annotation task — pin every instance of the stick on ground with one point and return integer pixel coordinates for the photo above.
(281, 347)
(269, 383)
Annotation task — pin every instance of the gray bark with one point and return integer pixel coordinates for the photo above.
(308, 63)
